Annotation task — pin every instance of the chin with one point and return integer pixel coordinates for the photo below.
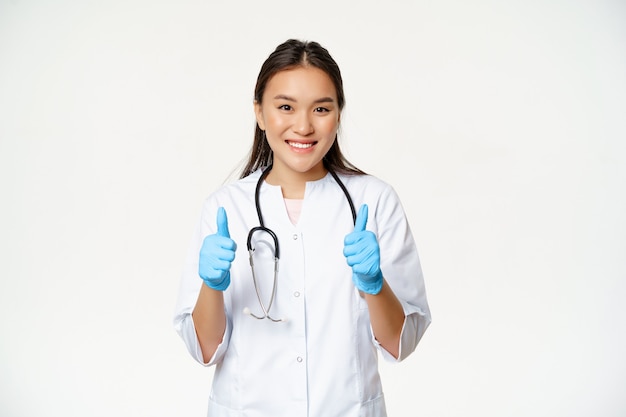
(304, 169)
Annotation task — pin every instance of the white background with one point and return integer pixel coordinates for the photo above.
(501, 124)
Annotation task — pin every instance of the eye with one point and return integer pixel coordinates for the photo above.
(321, 110)
(285, 107)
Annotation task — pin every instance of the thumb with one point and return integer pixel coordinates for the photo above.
(222, 223)
(361, 219)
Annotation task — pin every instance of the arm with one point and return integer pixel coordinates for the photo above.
(209, 320)
(400, 264)
(216, 255)
(397, 325)
(386, 313)
(386, 318)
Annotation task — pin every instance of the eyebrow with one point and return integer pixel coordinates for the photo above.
(288, 98)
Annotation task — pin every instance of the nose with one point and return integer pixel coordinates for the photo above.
(303, 124)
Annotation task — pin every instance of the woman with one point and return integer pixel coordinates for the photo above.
(299, 336)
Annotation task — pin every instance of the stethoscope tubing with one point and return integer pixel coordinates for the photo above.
(262, 228)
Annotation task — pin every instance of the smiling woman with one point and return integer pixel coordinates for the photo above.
(349, 286)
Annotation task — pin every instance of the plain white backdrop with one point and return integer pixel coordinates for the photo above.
(501, 124)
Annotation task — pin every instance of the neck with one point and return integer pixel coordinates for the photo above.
(293, 183)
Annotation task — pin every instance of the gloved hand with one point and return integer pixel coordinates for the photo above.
(216, 255)
(363, 255)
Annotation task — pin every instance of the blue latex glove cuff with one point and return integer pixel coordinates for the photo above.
(220, 286)
(369, 285)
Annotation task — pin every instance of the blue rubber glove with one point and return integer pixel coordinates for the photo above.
(363, 255)
(216, 255)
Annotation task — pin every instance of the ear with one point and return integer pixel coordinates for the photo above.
(258, 112)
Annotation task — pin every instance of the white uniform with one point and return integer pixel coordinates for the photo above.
(322, 362)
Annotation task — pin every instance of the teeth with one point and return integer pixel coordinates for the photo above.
(300, 145)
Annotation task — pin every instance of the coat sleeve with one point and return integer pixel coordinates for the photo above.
(189, 290)
(401, 268)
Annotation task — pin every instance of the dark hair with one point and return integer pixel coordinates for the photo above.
(288, 55)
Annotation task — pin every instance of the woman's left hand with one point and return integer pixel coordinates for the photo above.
(363, 255)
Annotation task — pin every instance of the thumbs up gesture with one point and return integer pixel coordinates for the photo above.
(217, 254)
(363, 255)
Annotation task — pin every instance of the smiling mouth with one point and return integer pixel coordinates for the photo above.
(301, 145)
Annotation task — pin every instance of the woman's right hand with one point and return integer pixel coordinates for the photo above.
(217, 254)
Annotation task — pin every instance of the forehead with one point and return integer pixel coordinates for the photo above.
(301, 83)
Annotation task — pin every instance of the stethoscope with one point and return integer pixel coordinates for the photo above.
(263, 228)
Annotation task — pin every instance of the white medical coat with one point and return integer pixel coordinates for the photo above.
(322, 362)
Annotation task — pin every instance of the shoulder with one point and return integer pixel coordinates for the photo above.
(379, 195)
(234, 189)
(232, 196)
(368, 186)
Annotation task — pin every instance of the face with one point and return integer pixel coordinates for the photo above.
(300, 117)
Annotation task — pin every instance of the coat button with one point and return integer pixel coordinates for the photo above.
(299, 359)
(296, 294)
(295, 237)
